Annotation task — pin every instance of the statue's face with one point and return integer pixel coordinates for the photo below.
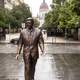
(29, 24)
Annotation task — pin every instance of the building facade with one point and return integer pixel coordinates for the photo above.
(10, 3)
(2, 3)
(42, 11)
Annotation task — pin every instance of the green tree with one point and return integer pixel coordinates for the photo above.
(2, 17)
(64, 16)
(20, 13)
(58, 1)
(36, 23)
(51, 19)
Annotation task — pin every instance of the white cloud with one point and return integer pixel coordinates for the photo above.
(35, 4)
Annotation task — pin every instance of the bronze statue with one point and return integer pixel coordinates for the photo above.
(29, 39)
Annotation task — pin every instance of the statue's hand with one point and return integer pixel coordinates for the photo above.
(42, 53)
(17, 56)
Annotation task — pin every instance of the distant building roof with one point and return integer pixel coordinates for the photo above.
(44, 5)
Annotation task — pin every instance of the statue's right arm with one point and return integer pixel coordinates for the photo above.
(19, 46)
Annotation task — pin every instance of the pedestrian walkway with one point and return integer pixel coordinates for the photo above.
(59, 40)
(55, 67)
(48, 40)
(49, 66)
(9, 37)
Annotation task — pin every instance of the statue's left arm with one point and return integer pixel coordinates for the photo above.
(41, 42)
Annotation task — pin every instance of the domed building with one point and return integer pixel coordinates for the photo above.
(43, 10)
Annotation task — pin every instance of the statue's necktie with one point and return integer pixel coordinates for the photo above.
(30, 37)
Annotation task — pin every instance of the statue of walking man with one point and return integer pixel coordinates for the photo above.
(30, 39)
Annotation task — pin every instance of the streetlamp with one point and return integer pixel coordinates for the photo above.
(9, 31)
(76, 31)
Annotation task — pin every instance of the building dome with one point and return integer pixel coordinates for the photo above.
(44, 5)
(43, 10)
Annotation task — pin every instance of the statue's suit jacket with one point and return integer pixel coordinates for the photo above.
(30, 39)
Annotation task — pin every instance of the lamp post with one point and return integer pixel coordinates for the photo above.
(76, 31)
(9, 31)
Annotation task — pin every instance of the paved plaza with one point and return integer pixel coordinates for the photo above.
(46, 39)
(49, 67)
(60, 62)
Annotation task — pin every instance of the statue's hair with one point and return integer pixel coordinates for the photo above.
(30, 19)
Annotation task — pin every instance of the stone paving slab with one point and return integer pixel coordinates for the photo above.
(60, 40)
(62, 49)
(8, 67)
(49, 67)
(49, 48)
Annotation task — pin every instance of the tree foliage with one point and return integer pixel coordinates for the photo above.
(3, 17)
(36, 22)
(66, 15)
(14, 17)
(20, 13)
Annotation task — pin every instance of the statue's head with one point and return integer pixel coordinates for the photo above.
(29, 22)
